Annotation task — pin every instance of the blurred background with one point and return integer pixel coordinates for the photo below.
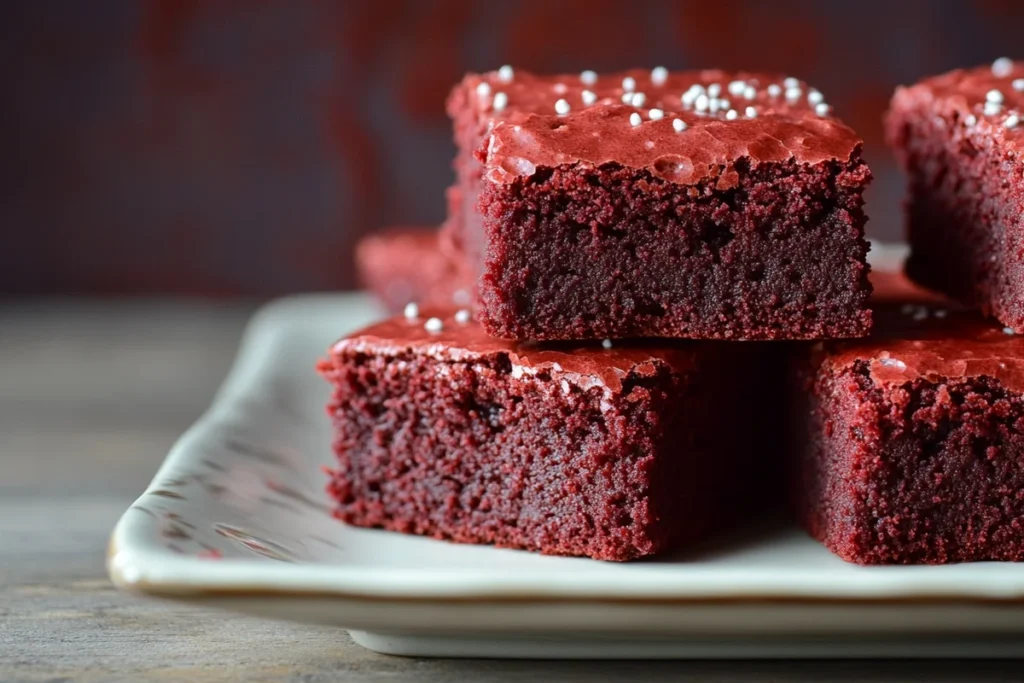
(240, 148)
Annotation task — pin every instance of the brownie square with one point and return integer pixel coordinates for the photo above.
(405, 265)
(959, 138)
(699, 204)
(911, 442)
(596, 450)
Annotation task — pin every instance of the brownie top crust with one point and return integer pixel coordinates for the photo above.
(676, 125)
(988, 98)
(443, 335)
(931, 340)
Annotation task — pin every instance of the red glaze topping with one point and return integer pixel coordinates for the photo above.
(583, 364)
(987, 98)
(933, 340)
(553, 120)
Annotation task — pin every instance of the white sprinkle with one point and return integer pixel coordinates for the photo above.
(751, 112)
(791, 83)
(691, 95)
(607, 343)
(793, 94)
(559, 88)
(412, 311)
(638, 99)
(588, 77)
(1002, 67)
(460, 297)
(627, 98)
(940, 313)
(588, 97)
(561, 107)
(635, 120)
(731, 115)
(462, 316)
(724, 103)
(714, 90)
(1008, 330)
(500, 101)
(907, 309)
(920, 314)
(649, 144)
(656, 114)
(659, 75)
(701, 103)
(992, 108)
(629, 84)
(433, 325)
(483, 89)
(1011, 121)
(822, 109)
(1018, 84)
(894, 363)
(749, 93)
(506, 74)
(678, 125)
(970, 120)
(994, 96)
(714, 104)
(774, 90)
(736, 88)
(815, 97)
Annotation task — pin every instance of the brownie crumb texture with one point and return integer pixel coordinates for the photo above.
(584, 253)
(567, 449)
(959, 138)
(920, 473)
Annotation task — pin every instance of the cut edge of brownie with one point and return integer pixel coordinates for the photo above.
(612, 454)
(769, 251)
(473, 455)
(917, 473)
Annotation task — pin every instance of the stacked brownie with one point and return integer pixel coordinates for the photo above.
(622, 236)
(578, 367)
(699, 205)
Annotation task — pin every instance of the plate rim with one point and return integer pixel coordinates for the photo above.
(133, 565)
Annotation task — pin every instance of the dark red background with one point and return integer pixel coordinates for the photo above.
(235, 147)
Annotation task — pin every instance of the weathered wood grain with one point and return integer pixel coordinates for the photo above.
(91, 396)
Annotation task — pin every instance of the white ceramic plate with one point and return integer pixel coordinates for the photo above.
(236, 517)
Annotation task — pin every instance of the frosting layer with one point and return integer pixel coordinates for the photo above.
(934, 341)
(987, 99)
(585, 364)
(679, 126)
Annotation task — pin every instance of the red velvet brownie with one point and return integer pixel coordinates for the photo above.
(959, 138)
(412, 265)
(597, 450)
(912, 443)
(698, 204)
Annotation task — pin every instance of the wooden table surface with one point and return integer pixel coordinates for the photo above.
(92, 395)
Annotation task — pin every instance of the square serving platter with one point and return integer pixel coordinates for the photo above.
(236, 518)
